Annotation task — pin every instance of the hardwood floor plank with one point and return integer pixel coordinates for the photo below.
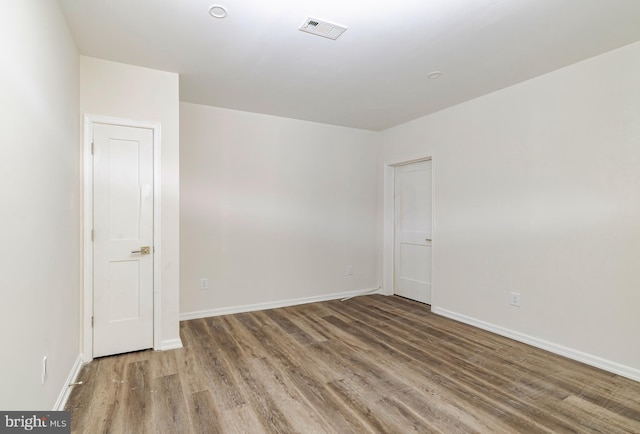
(373, 420)
(299, 369)
(242, 420)
(300, 316)
(300, 416)
(289, 327)
(369, 364)
(587, 415)
(161, 364)
(218, 373)
(170, 413)
(102, 392)
(203, 413)
(193, 373)
(80, 399)
(262, 396)
(137, 397)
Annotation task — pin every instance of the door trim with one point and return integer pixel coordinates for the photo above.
(87, 197)
(388, 236)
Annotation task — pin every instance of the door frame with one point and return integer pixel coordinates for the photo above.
(87, 197)
(388, 236)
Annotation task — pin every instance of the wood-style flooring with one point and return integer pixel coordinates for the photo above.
(370, 364)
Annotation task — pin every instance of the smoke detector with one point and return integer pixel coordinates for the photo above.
(322, 28)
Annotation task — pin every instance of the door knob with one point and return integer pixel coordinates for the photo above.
(427, 239)
(145, 250)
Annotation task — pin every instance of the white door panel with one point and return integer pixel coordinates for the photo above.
(413, 222)
(123, 225)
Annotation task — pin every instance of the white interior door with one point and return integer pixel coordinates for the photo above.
(123, 239)
(413, 214)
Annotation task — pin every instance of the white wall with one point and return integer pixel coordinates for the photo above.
(39, 189)
(538, 191)
(273, 209)
(141, 94)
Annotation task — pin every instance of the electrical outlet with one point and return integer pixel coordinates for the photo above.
(44, 369)
(204, 283)
(349, 270)
(514, 299)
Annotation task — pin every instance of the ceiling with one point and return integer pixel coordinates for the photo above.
(375, 75)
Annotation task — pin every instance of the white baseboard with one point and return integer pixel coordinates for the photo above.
(66, 389)
(170, 344)
(273, 304)
(589, 359)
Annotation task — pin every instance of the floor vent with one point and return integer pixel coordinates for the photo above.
(322, 28)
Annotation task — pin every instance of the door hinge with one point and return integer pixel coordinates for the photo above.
(91, 148)
(91, 322)
(91, 235)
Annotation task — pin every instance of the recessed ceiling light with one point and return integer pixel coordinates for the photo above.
(217, 11)
(433, 75)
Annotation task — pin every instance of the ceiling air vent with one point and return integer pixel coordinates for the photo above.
(322, 28)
